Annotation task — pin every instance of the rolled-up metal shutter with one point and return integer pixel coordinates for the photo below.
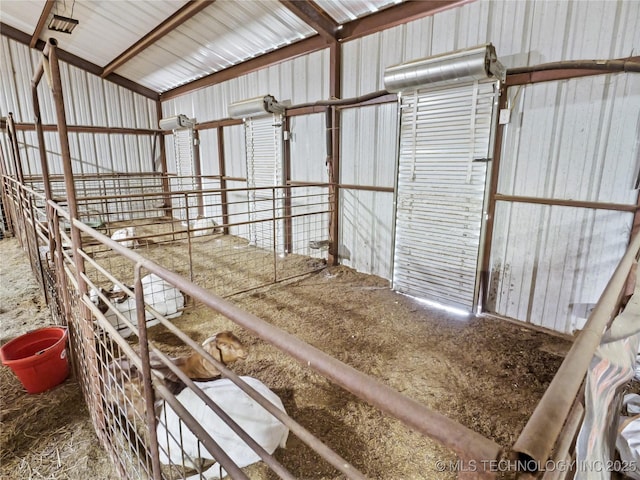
(444, 142)
(265, 169)
(183, 145)
(447, 106)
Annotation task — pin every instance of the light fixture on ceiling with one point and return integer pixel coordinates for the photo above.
(62, 24)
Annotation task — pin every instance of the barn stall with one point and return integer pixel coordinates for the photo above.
(280, 234)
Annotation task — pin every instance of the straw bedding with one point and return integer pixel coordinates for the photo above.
(486, 374)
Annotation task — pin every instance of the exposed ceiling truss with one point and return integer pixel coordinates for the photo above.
(174, 21)
(315, 17)
(329, 34)
(41, 22)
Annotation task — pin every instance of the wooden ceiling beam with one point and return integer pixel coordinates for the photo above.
(314, 16)
(48, 6)
(393, 16)
(71, 59)
(166, 27)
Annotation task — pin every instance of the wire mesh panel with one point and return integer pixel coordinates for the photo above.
(152, 424)
(220, 256)
(107, 198)
(156, 427)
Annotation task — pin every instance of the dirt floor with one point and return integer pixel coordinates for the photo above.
(487, 374)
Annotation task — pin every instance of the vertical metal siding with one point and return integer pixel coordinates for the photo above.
(368, 157)
(235, 165)
(209, 151)
(549, 263)
(529, 33)
(234, 153)
(308, 164)
(210, 167)
(308, 148)
(524, 33)
(89, 100)
(16, 80)
(295, 80)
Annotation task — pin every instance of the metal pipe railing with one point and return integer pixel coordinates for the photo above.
(537, 439)
(469, 445)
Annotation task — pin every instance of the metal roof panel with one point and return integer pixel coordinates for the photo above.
(344, 11)
(224, 34)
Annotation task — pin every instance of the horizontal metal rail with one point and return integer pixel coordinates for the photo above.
(469, 445)
(559, 202)
(537, 439)
(210, 444)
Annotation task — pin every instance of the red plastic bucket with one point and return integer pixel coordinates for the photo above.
(38, 358)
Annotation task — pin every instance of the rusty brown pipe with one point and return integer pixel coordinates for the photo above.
(538, 438)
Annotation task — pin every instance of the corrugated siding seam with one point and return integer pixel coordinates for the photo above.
(89, 100)
(574, 139)
(524, 33)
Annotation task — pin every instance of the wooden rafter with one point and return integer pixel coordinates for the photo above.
(48, 6)
(311, 14)
(171, 23)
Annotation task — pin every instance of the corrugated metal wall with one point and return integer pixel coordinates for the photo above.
(308, 164)
(300, 80)
(89, 100)
(524, 33)
(368, 158)
(576, 140)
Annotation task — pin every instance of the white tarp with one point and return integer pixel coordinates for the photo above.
(613, 365)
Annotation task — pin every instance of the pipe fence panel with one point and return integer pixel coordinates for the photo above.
(148, 405)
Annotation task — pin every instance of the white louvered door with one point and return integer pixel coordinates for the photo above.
(183, 145)
(445, 136)
(263, 138)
